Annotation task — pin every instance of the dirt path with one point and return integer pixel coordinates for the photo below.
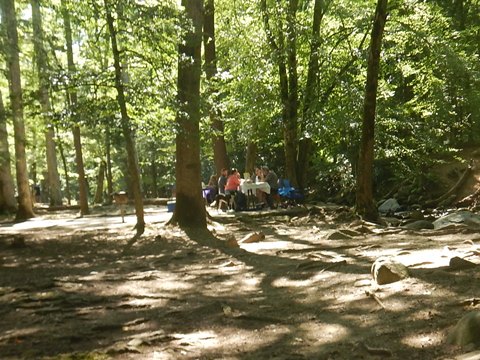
(73, 293)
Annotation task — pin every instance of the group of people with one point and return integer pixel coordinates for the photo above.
(228, 183)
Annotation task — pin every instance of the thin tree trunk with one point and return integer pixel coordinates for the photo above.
(220, 155)
(68, 193)
(126, 126)
(109, 164)
(7, 188)
(25, 208)
(251, 157)
(72, 101)
(291, 122)
(190, 206)
(100, 179)
(365, 204)
(285, 55)
(305, 145)
(53, 180)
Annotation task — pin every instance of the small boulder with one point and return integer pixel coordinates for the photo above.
(467, 331)
(253, 237)
(389, 206)
(337, 235)
(463, 217)
(457, 263)
(386, 271)
(419, 225)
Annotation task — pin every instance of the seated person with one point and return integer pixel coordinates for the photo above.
(222, 181)
(258, 175)
(212, 189)
(256, 178)
(233, 182)
(272, 179)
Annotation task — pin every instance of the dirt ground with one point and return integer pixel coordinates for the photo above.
(76, 290)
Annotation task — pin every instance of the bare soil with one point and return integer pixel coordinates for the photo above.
(77, 288)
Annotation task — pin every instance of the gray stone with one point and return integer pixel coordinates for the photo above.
(337, 235)
(386, 270)
(457, 263)
(390, 205)
(419, 225)
(462, 217)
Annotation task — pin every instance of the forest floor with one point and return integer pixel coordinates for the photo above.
(77, 288)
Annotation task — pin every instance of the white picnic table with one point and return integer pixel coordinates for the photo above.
(245, 186)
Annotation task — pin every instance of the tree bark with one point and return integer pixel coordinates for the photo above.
(133, 169)
(100, 179)
(305, 145)
(25, 208)
(190, 206)
(72, 102)
(220, 155)
(53, 181)
(365, 204)
(7, 188)
(251, 157)
(291, 122)
(108, 146)
(68, 193)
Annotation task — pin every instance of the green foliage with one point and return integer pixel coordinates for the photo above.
(427, 102)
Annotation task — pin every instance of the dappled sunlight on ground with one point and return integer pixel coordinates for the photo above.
(297, 293)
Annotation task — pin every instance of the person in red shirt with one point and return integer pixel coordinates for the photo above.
(233, 182)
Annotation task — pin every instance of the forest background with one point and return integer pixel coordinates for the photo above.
(283, 85)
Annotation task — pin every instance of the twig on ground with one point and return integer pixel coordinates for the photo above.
(375, 297)
(376, 351)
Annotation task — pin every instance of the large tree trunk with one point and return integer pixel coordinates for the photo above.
(53, 181)
(72, 100)
(305, 149)
(365, 204)
(25, 208)
(220, 155)
(190, 206)
(7, 188)
(134, 173)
